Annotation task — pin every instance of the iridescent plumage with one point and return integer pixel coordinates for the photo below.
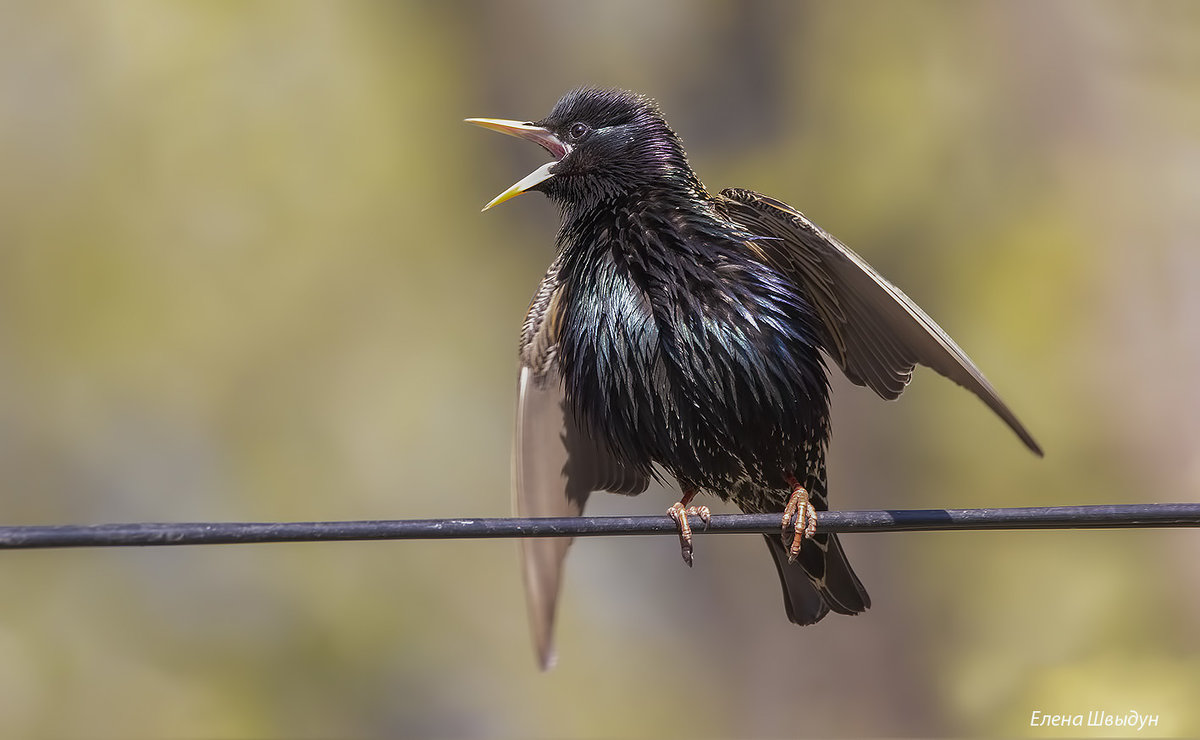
(685, 331)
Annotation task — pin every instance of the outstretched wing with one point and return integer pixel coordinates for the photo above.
(875, 332)
(556, 463)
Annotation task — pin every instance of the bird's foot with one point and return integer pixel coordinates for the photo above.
(680, 513)
(805, 515)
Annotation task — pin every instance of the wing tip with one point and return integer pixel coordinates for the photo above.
(547, 658)
(1030, 442)
(993, 401)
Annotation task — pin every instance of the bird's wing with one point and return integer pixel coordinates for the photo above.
(556, 463)
(875, 332)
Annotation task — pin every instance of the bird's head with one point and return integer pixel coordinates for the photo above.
(605, 143)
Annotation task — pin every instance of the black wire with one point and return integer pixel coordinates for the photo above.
(225, 533)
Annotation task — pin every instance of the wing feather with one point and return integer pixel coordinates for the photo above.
(876, 333)
(556, 464)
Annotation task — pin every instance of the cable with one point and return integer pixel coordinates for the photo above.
(911, 520)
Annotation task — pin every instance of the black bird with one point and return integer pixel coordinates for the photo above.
(685, 330)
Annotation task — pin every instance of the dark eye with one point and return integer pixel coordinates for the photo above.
(577, 130)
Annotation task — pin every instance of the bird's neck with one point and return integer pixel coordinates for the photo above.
(641, 215)
(669, 184)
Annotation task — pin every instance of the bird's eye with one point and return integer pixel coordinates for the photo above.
(577, 130)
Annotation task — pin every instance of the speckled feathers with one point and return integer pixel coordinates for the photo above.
(683, 331)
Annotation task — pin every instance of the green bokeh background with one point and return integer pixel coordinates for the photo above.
(243, 276)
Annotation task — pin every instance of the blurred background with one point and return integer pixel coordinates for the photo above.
(243, 276)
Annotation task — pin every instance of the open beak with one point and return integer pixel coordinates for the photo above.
(538, 135)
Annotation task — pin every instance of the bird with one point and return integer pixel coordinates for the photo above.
(682, 333)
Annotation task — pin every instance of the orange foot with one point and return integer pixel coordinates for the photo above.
(805, 514)
(680, 512)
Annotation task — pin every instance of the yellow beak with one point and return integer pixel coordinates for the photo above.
(538, 135)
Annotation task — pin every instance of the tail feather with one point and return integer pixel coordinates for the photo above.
(819, 581)
(803, 602)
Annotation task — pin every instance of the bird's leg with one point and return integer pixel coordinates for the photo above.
(805, 514)
(680, 511)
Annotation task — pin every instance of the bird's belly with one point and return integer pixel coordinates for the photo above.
(713, 374)
(713, 417)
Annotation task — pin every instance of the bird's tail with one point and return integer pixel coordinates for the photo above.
(819, 581)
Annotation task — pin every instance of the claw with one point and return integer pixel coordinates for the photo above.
(680, 514)
(805, 514)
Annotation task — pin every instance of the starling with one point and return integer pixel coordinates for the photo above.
(681, 331)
